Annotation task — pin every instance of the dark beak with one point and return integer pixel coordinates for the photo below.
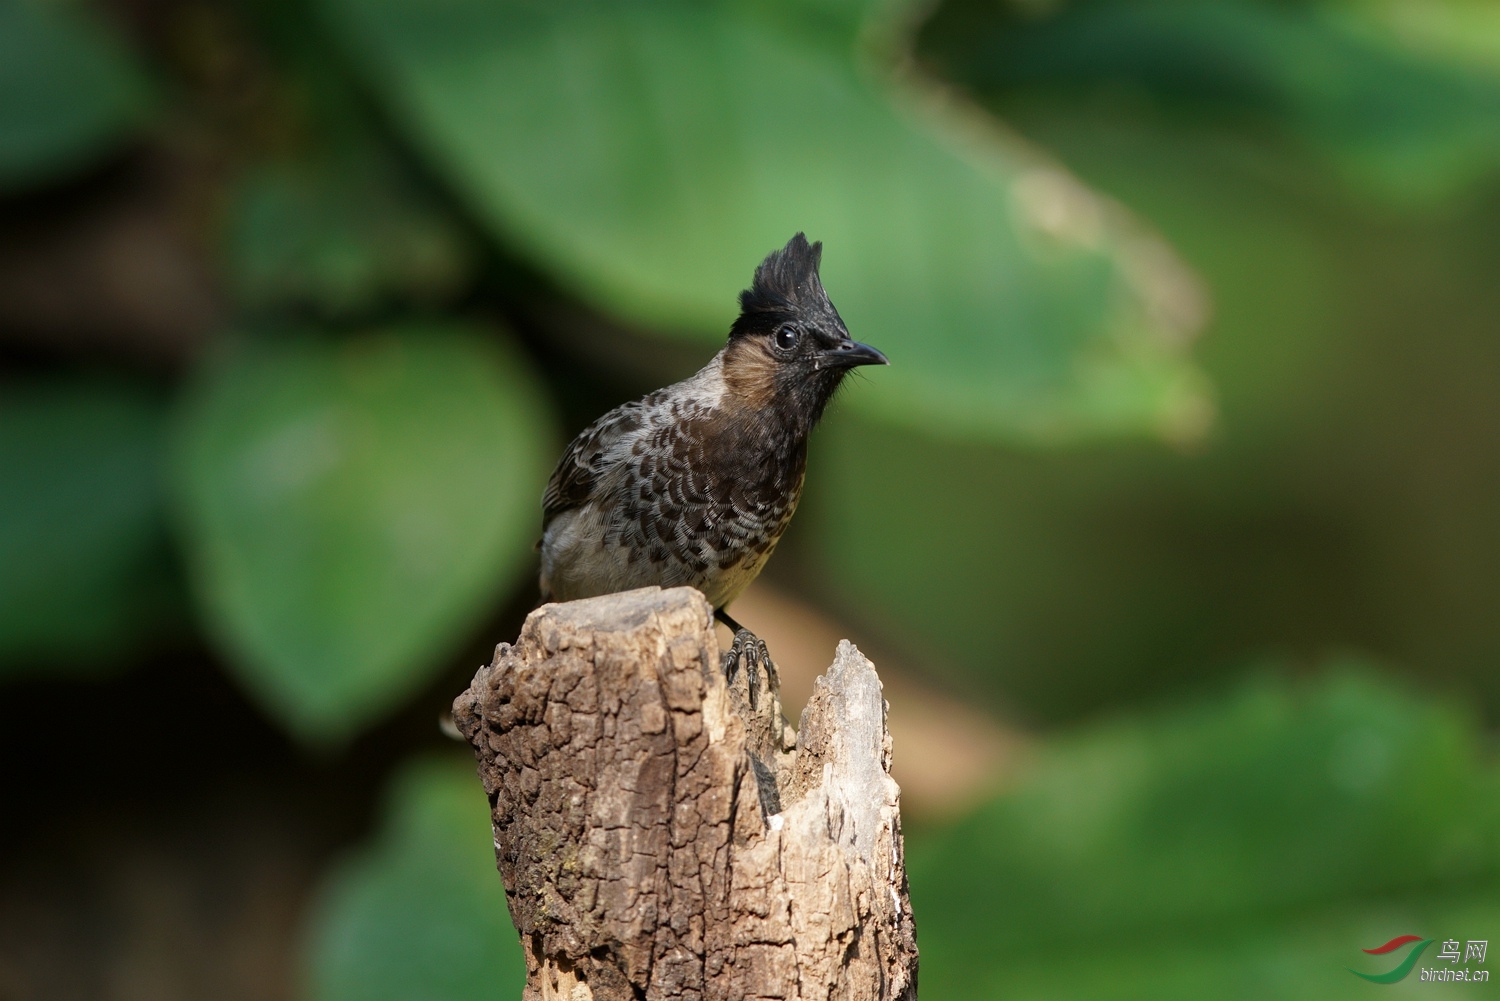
(848, 354)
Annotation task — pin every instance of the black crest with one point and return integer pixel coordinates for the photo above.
(786, 285)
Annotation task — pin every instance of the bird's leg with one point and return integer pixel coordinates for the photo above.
(770, 735)
(752, 650)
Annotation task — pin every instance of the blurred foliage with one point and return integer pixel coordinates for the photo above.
(350, 508)
(420, 913)
(340, 236)
(83, 568)
(1404, 126)
(1466, 32)
(352, 472)
(68, 91)
(1234, 848)
(645, 153)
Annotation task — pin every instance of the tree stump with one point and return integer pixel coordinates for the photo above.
(664, 833)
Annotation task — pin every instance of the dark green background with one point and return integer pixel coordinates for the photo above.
(1187, 464)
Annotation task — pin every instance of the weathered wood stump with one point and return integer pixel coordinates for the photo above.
(663, 833)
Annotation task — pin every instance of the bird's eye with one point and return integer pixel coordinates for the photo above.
(786, 338)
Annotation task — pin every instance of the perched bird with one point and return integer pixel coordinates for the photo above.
(695, 483)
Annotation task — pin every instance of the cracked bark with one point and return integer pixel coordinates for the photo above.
(663, 834)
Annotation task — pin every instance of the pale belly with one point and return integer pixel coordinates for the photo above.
(578, 561)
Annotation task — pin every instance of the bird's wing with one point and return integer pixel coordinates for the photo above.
(585, 460)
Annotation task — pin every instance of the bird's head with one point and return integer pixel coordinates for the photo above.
(789, 349)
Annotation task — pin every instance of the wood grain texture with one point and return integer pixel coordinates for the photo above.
(663, 833)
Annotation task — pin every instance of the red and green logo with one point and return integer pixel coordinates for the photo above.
(1402, 968)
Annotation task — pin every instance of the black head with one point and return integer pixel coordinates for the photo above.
(789, 345)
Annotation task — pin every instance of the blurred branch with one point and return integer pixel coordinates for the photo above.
(663, 833)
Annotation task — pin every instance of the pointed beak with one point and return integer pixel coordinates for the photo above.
(848, 354)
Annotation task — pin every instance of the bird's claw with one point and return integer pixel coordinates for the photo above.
(752, 650)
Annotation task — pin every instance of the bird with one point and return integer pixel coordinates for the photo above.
(695, 483)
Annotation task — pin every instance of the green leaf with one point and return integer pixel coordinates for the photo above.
(1296, 958)
(1241, 843)
(352, 507)
(421, 913)
(68, 91)
(343, 234)
(1465, 32)
(650, 155)
(1403, 123)
(82, 544)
